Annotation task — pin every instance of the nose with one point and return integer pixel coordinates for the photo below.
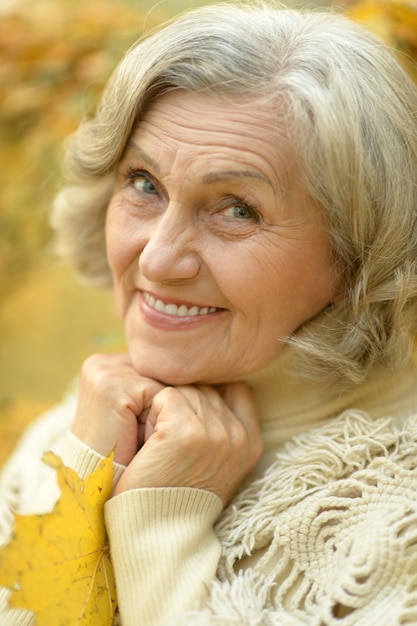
(171, 248)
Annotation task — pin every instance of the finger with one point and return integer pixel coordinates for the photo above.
(168, 400)
(239, 397)
(203, 399)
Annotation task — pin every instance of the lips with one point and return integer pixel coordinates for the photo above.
(176, 310)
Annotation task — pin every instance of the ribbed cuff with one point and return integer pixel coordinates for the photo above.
(82, 459)
(164, 551)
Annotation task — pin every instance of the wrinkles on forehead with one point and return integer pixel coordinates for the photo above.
(174, 115)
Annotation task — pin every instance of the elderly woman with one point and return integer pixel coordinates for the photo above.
(249, 188)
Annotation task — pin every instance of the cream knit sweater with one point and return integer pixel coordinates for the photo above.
(323, 533)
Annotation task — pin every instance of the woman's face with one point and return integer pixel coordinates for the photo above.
(215, 258)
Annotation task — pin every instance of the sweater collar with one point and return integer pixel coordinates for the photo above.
(289, 404)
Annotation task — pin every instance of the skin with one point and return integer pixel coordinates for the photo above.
(203, 220)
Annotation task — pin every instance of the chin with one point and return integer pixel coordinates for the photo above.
(176, 377)
(174, 380)
(165, 375)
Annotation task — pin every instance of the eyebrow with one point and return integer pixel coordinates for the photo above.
(214, 177)
(149, 160)
(210, 177)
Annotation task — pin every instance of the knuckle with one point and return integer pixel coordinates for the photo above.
(95, 362)
(91, 366)
(169, 394)
(95, 372)
(223, 446)
(92, 362)
(248, 446)
(241, 437)
(195, 438)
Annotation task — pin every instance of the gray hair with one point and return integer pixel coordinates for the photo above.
(349, 112)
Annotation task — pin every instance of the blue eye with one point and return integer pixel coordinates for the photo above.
(142, 182)
(242, 212)
(144, 185)
(239, 210)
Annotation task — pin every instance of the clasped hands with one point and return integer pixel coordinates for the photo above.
(187, 436)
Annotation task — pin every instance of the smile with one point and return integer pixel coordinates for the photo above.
(176, 310)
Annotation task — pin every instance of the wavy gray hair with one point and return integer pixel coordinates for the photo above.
(349, 112)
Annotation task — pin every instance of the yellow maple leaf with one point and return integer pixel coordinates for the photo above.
(58, 564)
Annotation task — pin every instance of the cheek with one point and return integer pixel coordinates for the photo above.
(314, 283)
(283, 288)
(120, 242)
(117, 255)
(112, 239)
(250, 284)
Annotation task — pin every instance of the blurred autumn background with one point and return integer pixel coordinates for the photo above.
(55, 56)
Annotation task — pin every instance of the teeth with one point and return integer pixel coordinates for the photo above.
(179, 311)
